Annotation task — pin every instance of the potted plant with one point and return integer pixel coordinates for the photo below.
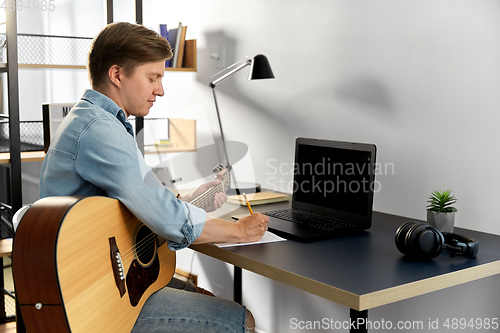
(440, 211)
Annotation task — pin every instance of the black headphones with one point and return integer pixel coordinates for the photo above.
(422, 241)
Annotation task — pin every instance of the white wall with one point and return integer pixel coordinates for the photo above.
(417, 78)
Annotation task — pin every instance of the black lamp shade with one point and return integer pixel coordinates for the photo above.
(260, 68)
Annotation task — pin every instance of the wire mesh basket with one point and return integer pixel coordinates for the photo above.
(10, 307)
(5, 221)
(50, 50)
(31, 136)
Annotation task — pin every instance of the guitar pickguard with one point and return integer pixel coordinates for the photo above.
(139, 279)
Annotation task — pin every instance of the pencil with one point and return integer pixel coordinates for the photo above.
(248, 203)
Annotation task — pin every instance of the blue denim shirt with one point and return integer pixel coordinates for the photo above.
(94, 153)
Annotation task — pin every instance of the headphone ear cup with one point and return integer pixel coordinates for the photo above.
(411, 239)
(424, 241)
(401, 235)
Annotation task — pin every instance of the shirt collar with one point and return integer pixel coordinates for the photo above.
(107, 104)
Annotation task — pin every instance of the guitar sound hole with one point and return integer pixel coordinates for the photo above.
(145, 246)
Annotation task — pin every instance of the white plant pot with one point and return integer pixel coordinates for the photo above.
(443, 222)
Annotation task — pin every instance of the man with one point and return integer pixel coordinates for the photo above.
(94, 153)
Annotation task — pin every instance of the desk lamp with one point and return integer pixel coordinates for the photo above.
(259, 69)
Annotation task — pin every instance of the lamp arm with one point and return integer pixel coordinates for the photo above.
(247, 62)
(228, 165)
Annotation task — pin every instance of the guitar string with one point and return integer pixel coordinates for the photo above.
(216, 189)
(140, 246)
(205, 197)
(144, 244)
(147, 244)
(205, 200)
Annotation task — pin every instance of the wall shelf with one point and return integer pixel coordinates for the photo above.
(3, 66)
(26, 156)
(189, 63)
(52, 66)
(182, 136)
(168, 69)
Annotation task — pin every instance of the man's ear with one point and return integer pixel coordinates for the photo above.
(115, 74)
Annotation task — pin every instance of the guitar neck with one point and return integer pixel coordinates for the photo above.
(206, 199)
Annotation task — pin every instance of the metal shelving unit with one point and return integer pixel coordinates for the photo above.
(12, 171)
(10, 66)
(40, 51)
(37, 51)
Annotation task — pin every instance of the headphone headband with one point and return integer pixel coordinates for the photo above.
(464, 245)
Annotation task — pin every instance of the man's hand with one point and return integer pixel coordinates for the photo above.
(253, 226)
(248, 229)
(219, 198)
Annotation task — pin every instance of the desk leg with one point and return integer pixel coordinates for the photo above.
(237, 284)
(359, 318)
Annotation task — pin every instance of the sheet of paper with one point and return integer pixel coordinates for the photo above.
(268, 237)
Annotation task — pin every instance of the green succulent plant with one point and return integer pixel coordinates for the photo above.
(441, 202)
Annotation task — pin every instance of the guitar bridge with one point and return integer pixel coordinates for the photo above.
(117, 264)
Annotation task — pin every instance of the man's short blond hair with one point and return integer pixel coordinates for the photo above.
(126, 45)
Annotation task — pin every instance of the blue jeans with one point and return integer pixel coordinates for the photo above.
(174, 310)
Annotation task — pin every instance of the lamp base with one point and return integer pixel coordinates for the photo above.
(243, 187)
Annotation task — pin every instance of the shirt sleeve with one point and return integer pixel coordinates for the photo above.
(195, 215)
(107, 157)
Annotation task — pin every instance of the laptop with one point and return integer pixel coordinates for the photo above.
(332, 191)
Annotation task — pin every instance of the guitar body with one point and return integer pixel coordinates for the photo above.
(67, 256)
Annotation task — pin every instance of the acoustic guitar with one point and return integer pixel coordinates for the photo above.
(87, 264)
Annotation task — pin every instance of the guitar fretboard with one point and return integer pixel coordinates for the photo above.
(206, 199)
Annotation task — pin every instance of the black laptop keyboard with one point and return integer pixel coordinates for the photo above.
(323, 223)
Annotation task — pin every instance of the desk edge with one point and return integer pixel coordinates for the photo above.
(297, 281)
(417, 288)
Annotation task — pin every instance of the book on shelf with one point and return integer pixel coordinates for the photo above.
(165, 33)
(182, 46)
(177, 40)
(259, 198)
(163, 143)
(175, 43)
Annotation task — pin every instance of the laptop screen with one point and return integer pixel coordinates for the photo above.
(335, 179)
